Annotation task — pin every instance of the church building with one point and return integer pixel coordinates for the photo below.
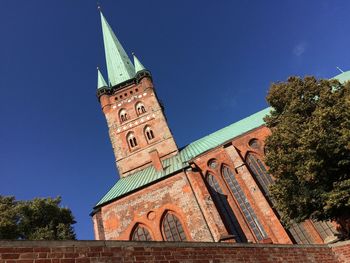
(215, 189)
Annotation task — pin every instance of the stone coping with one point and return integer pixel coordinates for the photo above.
(114, 243)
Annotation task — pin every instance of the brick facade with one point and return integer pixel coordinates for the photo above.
(219, 194)
(116, 251)
(126, 99)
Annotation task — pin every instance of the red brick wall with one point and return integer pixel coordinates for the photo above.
(341, 251)
(129, 160)
(148, 206)
(118, 251)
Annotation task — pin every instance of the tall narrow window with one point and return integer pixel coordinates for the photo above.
(260, 173)
(141, 234)
(172, 228)
(123, 115)
(264, 180)
(224, 209)
(149, 133)
(132, 140)
(140, 108)
(243, 203)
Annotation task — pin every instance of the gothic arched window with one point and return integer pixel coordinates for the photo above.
(224, 209)
(260, 173)
(243, 203)
(132, 140)
(123, 115)
(140, 108)
(141, 233)
(172, 228)
(149, 133)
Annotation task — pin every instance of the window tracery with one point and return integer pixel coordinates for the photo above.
(243, 203)
(141, 233)
(172, 228)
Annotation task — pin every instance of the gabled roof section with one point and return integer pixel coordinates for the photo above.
(101, 83)
(180, 161)
(119, 66)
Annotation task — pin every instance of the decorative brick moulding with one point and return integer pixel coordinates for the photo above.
(167, 252)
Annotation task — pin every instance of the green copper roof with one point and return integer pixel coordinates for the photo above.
(221, 136)
(138, 65)
(119, 66)
(148, 175)
(101, 83)
(343, 77)
(142, 178)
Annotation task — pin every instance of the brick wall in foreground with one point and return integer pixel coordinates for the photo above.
(166, 252)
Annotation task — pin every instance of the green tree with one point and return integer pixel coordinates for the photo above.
(8, 217)
(308, 151)
(37, 219)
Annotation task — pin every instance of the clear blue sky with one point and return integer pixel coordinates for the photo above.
(212, 63)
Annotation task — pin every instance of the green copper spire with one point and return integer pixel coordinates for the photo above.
(119, 66)
(137, 63)
(101, 83)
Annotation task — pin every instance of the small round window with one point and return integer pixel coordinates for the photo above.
(254, 143)
(213, 164)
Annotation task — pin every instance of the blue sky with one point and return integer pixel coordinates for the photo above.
(212, 63)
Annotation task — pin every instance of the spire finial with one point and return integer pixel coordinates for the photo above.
(99, 8)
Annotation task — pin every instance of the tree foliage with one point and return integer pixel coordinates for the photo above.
(37, 219)
(308, 151)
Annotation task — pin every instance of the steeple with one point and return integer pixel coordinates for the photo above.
(101, 83)
(137, 63)
(119, 66)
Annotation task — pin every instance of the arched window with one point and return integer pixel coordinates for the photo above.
(259, 171)
(132, 140)
(140, 108)
(224, 209)
(172, 228)
(149, 133)
(123, 115)
(243, 203)
(141, 233)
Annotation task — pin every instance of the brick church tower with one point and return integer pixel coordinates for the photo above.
(137, 126)
(214, 189)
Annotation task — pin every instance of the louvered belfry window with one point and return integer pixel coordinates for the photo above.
(244, 204)
(172, 228)
(141, 234)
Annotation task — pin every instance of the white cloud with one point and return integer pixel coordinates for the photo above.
(299, 49)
